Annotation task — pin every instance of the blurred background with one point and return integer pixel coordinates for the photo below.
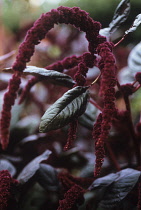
(16, 16)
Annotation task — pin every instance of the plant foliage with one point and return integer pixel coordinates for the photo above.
(73, 138)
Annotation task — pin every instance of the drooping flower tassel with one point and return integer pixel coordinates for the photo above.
(75, 16)
(107, 91)
(73, 195)
(9, 99)
(6, 184)
(71, 135)
(72, 198)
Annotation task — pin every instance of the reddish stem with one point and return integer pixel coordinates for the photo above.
(115, 45)
(95, 104)
(112, 156)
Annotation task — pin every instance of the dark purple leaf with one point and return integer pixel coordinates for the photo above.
(72, 104)
(120, 185)
(47, 177)
(120, 15)
(50, 75)
(30, 169)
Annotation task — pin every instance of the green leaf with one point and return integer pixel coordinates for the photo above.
(135, 24)
(72, 104)
(118, 189)
(50, 75)
(31, 168)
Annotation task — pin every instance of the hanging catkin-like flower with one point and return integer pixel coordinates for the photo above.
(9, 99)
(72, 198)
(6, 182)
(78, 18)
(107, 91)
(74, 192)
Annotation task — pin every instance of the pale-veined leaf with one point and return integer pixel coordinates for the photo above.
(72, 104)
(120, 15)
(134, 59)
(136, 23)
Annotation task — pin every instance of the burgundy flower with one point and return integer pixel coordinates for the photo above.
(27, 88)
(75, 16)
(66, 63)
(138, 77)
(73, 192)
(107, 91)
(127, 89)
(66, 181)
(72, 198)
(6, 183)
(9, 99)
(71, 135)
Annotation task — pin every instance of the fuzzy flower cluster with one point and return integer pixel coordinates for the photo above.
(73, 193)
(9, 99)
(6, 182)
(72, 197)
(74, 16)
(107, 91)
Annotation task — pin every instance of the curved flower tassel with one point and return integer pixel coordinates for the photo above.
(74, 192)
(75, 16)
(9, 99)
(6, 182)
(71, 135)
(27, 88)
(72, 197)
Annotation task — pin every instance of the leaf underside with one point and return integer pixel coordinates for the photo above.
(120, 15)
(71, 105)
(52, 76)
(135, 24)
